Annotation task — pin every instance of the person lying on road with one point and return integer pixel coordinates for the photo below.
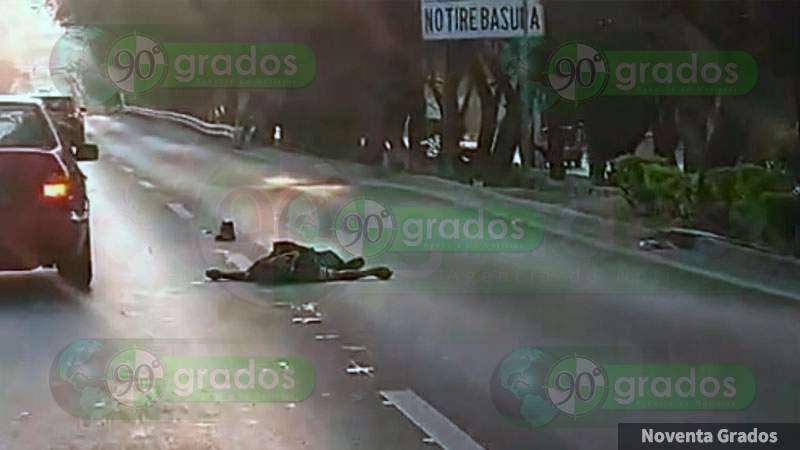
(292, 263)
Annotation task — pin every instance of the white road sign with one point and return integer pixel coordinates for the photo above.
(481, 19)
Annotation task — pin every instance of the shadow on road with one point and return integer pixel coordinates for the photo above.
(27, 290)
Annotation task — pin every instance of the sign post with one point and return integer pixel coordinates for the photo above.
(450, 20)
(481, 19)
(525, 107)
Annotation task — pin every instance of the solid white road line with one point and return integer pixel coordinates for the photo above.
(180, 210)
(444, 432)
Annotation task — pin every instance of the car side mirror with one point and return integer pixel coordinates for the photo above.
(87, 152)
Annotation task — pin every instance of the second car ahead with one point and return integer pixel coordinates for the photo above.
(43, 202)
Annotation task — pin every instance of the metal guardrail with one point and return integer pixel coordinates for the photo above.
(213, 129)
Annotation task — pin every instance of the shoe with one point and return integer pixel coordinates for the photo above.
(383, 273)
(214, 274)
(227, 232)
(353, 264)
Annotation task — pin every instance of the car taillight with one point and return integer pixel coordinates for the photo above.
(56, 187)
(56, 190)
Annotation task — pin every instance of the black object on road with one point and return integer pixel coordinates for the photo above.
(227, 232)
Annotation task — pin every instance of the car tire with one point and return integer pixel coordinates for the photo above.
(77, 269)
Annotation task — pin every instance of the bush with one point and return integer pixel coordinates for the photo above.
(771, 218)
(654, 188)
(628, 174)
(719, 185)
(746, 201)
(674, 191)
(760, 205)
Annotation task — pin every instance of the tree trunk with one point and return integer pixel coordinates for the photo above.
(450, 113)
(509, 132)
(665, 130)
(488, 115)
(693, 117)
(556, 138)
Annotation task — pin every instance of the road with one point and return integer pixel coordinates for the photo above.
(439, 328)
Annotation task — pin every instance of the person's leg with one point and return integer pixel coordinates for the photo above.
(236, 275)
(383, 273)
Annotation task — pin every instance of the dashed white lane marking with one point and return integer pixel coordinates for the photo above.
(241, 262)
(435, 424)
(146, 184)
(180, 210)
(127, 169)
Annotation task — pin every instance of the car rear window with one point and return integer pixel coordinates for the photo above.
(59, 104)
(24, 126)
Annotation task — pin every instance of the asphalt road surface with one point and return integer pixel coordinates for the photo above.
(436, 331)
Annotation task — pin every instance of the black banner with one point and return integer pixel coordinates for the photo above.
(709, 436)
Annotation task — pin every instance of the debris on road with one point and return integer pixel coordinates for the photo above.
(307, 320)
(226, 232)
(210, 412)
(671, 239)
(353, 348)
(139, 434)
(308, 307)
(649, 245)
(326, 337)
(356, 368)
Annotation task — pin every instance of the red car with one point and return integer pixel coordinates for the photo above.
(43, 202)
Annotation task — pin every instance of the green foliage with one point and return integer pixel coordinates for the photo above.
(674, 190)
(745, 182)
(754, 180)
(644, 186)
(753, 195)
(628, 174)
(719, 185)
